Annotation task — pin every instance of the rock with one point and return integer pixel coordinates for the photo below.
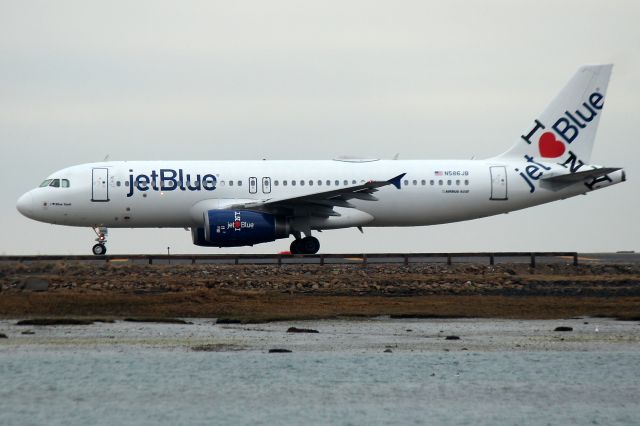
(301, 330)
(228, 321)
(279, 351)
(452, 338)
(388, 351)
(34, 284)
(3, 336)
(28, 332)
(563, 328)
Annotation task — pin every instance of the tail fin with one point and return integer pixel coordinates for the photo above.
(567, 127)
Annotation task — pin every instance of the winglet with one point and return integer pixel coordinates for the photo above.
(396, 180)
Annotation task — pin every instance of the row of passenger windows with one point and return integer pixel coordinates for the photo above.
(346, 182)
(440, 182)
(64, 183)
(318, 182)
(56, 183)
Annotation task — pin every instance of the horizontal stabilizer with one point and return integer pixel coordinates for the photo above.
(580, 176)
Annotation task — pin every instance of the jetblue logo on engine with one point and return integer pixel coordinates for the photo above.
(170, 180)
(238, 224)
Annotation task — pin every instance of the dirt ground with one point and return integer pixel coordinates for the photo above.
(254, 293)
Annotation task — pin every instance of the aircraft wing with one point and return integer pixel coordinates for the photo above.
(322, 203)
(580, 176)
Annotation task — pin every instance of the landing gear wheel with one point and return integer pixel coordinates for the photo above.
(306, 245)
(101, 234)
(295, 247)
(310, 245)
(99, 249)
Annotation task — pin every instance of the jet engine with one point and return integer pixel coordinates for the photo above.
(233, 228)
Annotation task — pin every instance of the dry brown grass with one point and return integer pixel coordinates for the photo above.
(264, 292)
(252, 306)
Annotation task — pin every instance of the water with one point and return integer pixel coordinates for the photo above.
(127, 373)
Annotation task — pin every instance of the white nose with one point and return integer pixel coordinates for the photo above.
(25, 204)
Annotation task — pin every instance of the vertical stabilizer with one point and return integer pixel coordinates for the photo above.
(567, 127)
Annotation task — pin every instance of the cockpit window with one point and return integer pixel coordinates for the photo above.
(65, 183)
(45, 183)
(55, 183)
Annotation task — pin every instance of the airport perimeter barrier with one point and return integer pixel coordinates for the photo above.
(319, 259)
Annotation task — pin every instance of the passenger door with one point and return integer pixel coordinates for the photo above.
(100, 188)
(498, 182)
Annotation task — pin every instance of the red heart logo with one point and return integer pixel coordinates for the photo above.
(549, 146)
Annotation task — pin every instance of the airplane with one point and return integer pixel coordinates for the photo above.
(242, 203)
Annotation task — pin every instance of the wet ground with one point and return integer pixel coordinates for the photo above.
(374, 371)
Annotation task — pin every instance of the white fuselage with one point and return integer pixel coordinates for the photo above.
(125, 193)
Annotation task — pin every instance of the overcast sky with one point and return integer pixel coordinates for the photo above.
(217, 80)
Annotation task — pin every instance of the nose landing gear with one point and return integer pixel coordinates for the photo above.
(100, 248)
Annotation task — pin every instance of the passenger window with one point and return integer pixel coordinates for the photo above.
(293, 183)
(55, 183)
(276, 183)
(126, 183)
(346, 182)
(328, 182)
(301, 183)
(458, 182)
(353, 182)
(449, 182)
(45, 183)
(284, 183)
(117, 183)
(310, 182)
(466, 182)
(440, 182)
(423, 182)
(406, 182)
(431, 182)
(230, 183)
(337, 182)
(239, 183)
(319, 182)
(415, 182)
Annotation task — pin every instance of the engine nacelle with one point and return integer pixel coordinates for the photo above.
(233, 228)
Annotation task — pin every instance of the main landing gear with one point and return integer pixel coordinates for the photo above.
(100, 248)
(306, 245)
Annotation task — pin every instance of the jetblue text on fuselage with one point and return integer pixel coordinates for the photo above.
(170, 180)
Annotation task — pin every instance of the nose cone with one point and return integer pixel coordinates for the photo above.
(25, 205)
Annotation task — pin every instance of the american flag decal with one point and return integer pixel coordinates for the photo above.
(438, 173)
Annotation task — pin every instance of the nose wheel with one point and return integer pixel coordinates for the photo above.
(306, 245)
(100, 248)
